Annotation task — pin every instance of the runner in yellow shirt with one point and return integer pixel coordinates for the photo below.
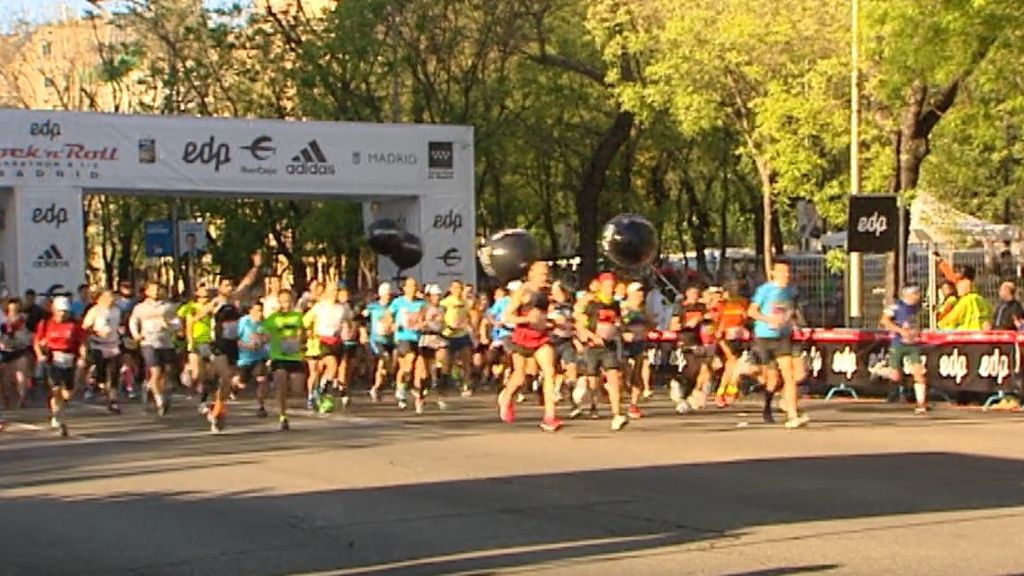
(457, 332)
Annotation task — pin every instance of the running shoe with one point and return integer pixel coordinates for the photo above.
(551, 424)
(419, 405)
(467, 392)
(374, 395)
(442, 405)
(164, 408)
(54, 423)
(577, 411)
(89, 395)
(284, 424)
(768, 416)
(310, 404)
(798, 422)
(682, 407)
(216, 424)
(114, 408)
(634, 412)
(675, 391)
(345, 401)
(63, 430)
(402, 404)
(261, 412)
(506, 410)
(595, 414)
(619, 422)
(720, 401)
(648, 394)
(520, 398)
(921, 409)
(204, 408)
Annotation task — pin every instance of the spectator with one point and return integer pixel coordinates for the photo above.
(947, 296)
(1009, 313)
(972, 311)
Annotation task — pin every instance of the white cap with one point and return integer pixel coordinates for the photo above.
(434, 290)
(384, 289)
(514, 285)
(635, 287)
(62, 303)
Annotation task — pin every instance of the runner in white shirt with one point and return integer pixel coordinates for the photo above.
(327, 317)
(152, 324)
(101, 322)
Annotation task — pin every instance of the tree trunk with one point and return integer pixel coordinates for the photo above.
(723, 230)
(588, 197)
(768, 226)
(919, 120)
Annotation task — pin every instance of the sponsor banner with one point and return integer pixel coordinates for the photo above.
(873, 224)
(159, 238)
(50, 243)
(234, 156)
(972, 367)
(449, 233)
(405, 213)
(191, 238)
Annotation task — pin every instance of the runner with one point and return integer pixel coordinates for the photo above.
(431, 347)
(198, 318)
(457, 330)
(58, 346)
(381, 338)
(101, 323)
(598, 327)
(150, 325)
(560, 316)
(636, 322)
(226, 314)
(16, 351)
(481, 335)
(324, 322)
(407, 312)
(313, 354)
(252, 354)
(773, 309)
(901, 319)
(732, 343)
(286, 334)
(527, 312)
(498, 357)
(686, 321)
(349, 349)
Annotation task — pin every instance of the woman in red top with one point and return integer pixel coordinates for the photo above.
(60, 343)
(528, 313)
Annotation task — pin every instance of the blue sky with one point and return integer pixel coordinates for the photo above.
(43, 10)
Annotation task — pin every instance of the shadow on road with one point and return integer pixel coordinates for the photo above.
(480, 525)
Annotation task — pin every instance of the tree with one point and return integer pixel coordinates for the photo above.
(769, 72)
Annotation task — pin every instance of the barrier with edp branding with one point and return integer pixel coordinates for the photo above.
(982, 362)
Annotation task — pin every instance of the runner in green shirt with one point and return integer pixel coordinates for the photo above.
(197, 318)
(286, 333)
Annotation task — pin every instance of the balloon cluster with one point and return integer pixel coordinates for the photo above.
(628, 240)
(386, 238)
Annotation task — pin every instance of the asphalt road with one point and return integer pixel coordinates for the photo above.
(867, 489)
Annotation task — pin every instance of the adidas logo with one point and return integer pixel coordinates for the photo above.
(51, 258)
(310, 160)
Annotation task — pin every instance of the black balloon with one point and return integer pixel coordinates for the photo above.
(384, 236)
(630, 241)
(508, 254)
(409, 252)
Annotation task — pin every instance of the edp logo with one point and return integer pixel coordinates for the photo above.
(208, 152)
(48, 129)
(875, 224)
(50, 215)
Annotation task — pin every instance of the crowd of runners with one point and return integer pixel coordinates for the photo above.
(580, 351)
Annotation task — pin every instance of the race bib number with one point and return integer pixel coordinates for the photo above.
(63, 359)
(229, 330)
(291, 346)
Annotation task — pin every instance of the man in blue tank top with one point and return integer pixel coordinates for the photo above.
(902, 319)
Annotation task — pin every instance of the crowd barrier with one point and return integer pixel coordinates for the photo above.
(848, 360)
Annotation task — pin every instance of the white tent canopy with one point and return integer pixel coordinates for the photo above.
(934, 221)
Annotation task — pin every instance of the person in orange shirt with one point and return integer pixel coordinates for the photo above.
(732, 338)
